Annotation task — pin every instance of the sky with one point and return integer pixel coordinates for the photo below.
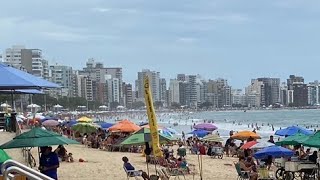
(233, 39)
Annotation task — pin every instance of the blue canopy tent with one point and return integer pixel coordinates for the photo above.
(14, 79)
(199, 133)
(293, 130)
(22, 91)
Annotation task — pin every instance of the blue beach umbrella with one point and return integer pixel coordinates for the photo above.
(293, 130)
(274, 151)
(165, 132)
(105, 125)
(172, 131)
(199, 133)
(70, 123)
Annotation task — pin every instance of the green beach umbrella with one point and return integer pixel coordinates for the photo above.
(296, 139)
(313, 141)
(212, 138)
(142, 136)
(3, 156)
(85, 127)
(37, 137)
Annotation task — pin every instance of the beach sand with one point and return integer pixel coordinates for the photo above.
(104, 165)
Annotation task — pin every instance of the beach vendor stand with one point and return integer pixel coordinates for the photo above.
(303, 169)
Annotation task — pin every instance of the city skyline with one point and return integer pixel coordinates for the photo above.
(105, 85)
(228, 39)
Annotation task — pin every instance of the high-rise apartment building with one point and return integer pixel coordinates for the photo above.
(174, 91)
(255, 93)
(29, 60)
(191, 91)
(101, 76)
(271, 90)
(181, 77)
(163, 90)
(238, 98)
(314, 93)
(299, 91)
(128, 95)
(154, 78)
(62, 75)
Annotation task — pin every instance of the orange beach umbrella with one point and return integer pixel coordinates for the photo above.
(244, 135)
(124, 126)
(248, 145)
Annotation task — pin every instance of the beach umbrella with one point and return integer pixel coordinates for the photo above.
(33, 106)
(124, 126)
(70, 123)
(50, 123)
(84, 127)
(172, 131)
(199, 133)
(142, 136)
(248, 145)
(212, 138)
(274, 151)
(84, 119)
(58, 106)
(49, 118)
(5, 105)
(313, 141)
(105, 125)
(37, 137)
(296, 139)
(205, 126)
(12, 78)
(261, 145)
(244, 135)
(165, 132)
(292, 130)
(3, 156)
(103, 107)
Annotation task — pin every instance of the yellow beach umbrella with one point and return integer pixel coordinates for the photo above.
(85, 119)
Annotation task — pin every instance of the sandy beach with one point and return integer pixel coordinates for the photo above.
(108, 165)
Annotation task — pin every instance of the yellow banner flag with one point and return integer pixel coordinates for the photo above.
(153, 124)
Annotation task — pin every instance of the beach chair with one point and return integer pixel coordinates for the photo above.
(174, 172)
(242, 175)
(132, 173)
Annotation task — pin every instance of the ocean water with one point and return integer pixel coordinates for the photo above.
(240, 120)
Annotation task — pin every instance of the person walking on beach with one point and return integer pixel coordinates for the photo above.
(49, 162)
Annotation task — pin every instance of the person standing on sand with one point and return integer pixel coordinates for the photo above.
(49, 162)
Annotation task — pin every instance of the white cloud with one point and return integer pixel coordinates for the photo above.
(187, 39)
(100, 10)
(230, 18)
(115, 10)
(48, 30)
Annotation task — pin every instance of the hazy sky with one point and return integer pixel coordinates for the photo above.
(233, 39)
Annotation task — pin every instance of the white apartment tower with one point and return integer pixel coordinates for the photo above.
(174, 92)
(154, 78)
